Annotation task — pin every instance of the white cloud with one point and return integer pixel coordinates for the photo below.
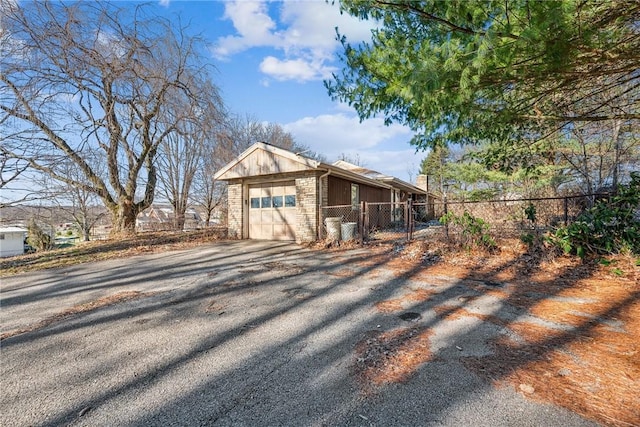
(295, 69)
(379, 147)
(339, 132)
(312, 25)
(253, 24)
(303, 31)
(164, 3)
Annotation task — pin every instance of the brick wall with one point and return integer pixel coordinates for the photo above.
(234, 222)
(307, 204)
(325, 191)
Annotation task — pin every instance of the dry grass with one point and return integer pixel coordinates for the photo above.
(108, 249)
(77, 309)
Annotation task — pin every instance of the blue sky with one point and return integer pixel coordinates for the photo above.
(272, 58)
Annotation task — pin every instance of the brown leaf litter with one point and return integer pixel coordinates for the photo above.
(77, 309)
(588, 363)
(390, 357)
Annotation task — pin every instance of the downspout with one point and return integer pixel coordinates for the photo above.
(319, 231)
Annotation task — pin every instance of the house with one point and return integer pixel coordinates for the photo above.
(275, 194)
(161, 217)
(12, 241)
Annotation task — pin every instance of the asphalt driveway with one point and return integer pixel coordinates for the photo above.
(245, 333)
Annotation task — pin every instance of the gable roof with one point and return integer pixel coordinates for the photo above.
(281, 160)
(251, 162)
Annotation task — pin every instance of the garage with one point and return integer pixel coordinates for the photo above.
(272, 211)
(276, 194)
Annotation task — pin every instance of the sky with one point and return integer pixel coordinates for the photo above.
(271, 60)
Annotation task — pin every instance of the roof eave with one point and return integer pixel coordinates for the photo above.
(353, 176)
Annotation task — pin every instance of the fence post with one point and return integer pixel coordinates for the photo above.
(361, 221)
(566, 211)
(446, 211)
(409, 220)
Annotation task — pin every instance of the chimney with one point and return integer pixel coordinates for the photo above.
(421, 182)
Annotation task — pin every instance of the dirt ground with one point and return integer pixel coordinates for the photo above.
(579, 348)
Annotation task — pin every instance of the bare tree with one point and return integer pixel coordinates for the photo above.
(208, 193)
(598, 155)
(353, 159)
(10, 170)
(181, 154)
(82, 207)
(239, 133)
(91, 77)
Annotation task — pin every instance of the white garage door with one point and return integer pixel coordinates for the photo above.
(272, 211)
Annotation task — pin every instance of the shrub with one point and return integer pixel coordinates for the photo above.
(609, 227)
(474, 231)
(37, 238)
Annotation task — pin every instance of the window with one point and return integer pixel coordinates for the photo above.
(1, 236)
(266, 202)
(277, 201)
(290, 200)
(355, 195)
(255, 203)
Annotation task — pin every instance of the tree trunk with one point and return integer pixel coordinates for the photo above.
(616, 154)
(178, 221)
(123, 218)
(86, 229)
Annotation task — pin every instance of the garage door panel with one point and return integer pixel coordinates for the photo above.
(291, 216)
(280, 216)
(266, 215)
(254, 230)
(266, 230)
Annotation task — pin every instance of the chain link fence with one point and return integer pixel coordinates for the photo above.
(512, 216)
(332, 218)
(390, 219)
(507, 218)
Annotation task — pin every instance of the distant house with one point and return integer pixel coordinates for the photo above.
(160, 217)
(275, 194)
(12, 241)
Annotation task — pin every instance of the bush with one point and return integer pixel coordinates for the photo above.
(37, 238)
(474, 231)
(609, 227)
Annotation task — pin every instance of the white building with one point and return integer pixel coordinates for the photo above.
(12, 241)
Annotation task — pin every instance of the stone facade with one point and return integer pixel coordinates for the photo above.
(235, 208)
(307, 203)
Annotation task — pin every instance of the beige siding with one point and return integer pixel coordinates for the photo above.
(262, 162)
